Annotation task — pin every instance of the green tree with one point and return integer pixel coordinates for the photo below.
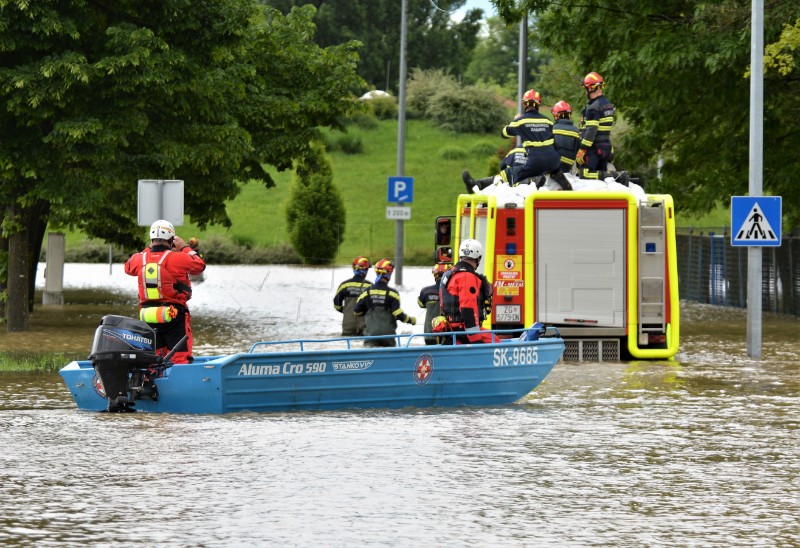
(677, 71)
(99, 95)
(495, 58)
(315, 214)
(433, 41)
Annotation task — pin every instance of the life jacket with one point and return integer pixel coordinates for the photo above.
(159, 285)
(451, 304)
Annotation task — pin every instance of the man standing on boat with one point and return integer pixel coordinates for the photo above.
(380, 304)
(347, 294)
(429, 300)
(163, 271)
(466, 295)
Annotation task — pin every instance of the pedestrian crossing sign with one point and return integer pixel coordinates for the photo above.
(756, 221)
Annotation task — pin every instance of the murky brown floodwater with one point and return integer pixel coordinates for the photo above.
(701, 451)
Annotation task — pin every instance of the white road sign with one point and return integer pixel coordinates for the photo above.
(398, 213)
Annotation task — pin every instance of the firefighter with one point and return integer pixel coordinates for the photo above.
(163, 271)
(515, 158)
(465, 295)
(536, 132)
(566, 135)
(597, 119)
(429, 300)
(347, 294)
(380, 304)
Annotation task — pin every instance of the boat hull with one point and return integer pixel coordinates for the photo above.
(351, 378)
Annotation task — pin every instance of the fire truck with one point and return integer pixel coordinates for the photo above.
(599, 265)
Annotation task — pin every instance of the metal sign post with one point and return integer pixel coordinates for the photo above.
(401, 137)
(754, 256)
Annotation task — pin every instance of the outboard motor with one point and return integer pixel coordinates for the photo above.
(121, 347)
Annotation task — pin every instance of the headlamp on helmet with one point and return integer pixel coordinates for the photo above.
(471, 249)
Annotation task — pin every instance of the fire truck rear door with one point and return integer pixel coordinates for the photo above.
(580, 267)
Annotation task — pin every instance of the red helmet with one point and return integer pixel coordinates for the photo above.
(361, 263)
(592, 81)
(561, 109)
(532, 96)
(384, 267)
(439, 269)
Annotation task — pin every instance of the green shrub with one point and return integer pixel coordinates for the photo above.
(384, 108)
(492, 166)
(469, 110)
(315, 211)
(452, 153)
(91, 251)
(349, 144)
(484, 148)
(326, 140)
(423, 85)
(364, 120)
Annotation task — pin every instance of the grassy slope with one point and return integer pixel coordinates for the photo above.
(258, 213)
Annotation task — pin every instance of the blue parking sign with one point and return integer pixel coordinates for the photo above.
(756, 221)
(401, 189)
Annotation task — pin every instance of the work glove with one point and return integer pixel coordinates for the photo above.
(580, 159)
(412, 320)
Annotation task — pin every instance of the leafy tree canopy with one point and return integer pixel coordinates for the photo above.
(98, 95)
(678, 73)
(434, 40)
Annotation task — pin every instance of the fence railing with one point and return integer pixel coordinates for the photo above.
(711, 270)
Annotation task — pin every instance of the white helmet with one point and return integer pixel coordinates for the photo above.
(471, 249)
(162, 230)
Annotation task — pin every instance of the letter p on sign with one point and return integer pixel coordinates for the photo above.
(401, 189)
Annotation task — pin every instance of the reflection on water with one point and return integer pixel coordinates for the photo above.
(701, 451)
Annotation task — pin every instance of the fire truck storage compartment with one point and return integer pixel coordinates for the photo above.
(580, 267)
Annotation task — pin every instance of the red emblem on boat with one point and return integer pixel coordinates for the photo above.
(98, 386)
(423, 369)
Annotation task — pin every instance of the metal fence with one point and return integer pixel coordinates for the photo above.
(711, 270)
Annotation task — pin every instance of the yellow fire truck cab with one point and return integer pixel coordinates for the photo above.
(601, 266)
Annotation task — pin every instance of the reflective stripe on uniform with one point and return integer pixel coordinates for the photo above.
(538, 143)
(158, 314)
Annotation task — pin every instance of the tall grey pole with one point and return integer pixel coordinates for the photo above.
(754, 254)
(522, 72)
(401, 141)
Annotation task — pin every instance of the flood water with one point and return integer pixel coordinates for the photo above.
(700, 451)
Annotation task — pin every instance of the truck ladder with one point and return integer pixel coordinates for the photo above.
(652, 241)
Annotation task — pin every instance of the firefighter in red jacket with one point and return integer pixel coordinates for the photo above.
(163, 271)
(466, 295)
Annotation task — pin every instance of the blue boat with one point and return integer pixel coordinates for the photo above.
(309, 374)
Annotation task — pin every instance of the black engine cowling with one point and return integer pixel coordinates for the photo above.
(121, 346)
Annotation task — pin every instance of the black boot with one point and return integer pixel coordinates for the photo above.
(483, 183)
(562, 180)
(540, 181)
(469, 182)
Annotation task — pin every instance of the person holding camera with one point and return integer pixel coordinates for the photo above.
(163, 271)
